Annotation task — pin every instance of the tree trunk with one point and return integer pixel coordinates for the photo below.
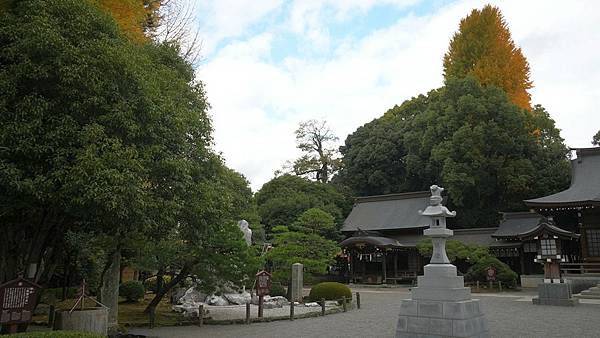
(110, 289)
(159, 280)
(160, 294)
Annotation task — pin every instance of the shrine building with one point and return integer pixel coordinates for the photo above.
(382, 232)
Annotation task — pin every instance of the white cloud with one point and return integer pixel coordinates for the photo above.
(231, 18)
(258, 104)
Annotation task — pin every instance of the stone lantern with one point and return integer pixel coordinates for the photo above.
(441, 306)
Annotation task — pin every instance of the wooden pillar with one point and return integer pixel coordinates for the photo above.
(522, 259)
(352, 266)
(384, 263)
(364, 271)
(396, 263)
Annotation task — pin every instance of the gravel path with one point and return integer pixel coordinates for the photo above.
(509, 315)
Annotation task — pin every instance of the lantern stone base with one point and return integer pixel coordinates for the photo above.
(555, 294)
(441, 307)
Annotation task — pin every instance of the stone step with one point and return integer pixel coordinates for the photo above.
(586, 296)
(590, 292)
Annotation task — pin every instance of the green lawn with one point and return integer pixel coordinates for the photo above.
(131, 314)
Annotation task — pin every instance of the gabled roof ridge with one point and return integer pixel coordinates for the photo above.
(392, 197)
(520, 214)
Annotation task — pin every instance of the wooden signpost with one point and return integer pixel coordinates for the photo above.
(263, 288)
(490, 272)
(17, 302)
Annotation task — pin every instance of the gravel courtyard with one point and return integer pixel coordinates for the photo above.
(509, 315)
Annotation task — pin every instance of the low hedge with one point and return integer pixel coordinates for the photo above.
(329, 291)
(132, 291)
(56, 334)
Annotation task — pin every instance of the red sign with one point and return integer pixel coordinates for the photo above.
(17, 301)
(263, 283)
(490, 273)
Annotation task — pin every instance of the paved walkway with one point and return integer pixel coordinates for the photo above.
(509, 315)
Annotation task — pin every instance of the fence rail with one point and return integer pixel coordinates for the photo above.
(580, 268)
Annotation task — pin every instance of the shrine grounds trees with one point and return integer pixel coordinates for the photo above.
(302, 219)
(483, 48)
(281, 200)
(596, 139)
(105, 142)
(467, 137)
(320, 159)
(472, 260)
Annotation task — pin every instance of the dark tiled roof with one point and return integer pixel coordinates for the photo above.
(526, 225)
(585, 183)
(517, 223)
(478, 236)
(388, 212)
(377, 241)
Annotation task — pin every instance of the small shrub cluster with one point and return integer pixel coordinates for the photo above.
(329, 291)
(56, 334)
(132, 290)
(278, 290)
(478, 272)
(150, 283)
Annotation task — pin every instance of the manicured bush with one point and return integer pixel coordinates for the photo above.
(150, 283)
(478, 272)
(278, 290)
(56, 334)
(329, 291)
(132, 291)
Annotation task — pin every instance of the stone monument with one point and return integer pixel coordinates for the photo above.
(441, 306)
(297, 282)
(245, 228)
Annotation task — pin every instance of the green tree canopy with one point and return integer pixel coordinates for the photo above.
(281, 200)
(483, 48)
(317, 221)
(596, 139)
(466, 137)
(312, 250)
(320, 156)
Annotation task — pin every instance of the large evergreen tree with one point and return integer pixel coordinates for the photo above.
(483, 48)
(470, 139)
(106, 138)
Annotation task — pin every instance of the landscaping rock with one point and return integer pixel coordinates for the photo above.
(41, 309)
(189, 310)
(217, 300)
(177, 294)
(275, 302)
(238, 298)
(192, 295)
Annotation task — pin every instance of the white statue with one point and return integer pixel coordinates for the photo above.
(244, 227)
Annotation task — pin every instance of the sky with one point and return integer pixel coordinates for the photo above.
(269, 64)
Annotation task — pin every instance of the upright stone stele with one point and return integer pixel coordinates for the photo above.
(297, 282)
(441, 306)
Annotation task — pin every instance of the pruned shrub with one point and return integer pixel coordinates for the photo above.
(478, 272)
(132, 291)
(329, 291)
(150, 283)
